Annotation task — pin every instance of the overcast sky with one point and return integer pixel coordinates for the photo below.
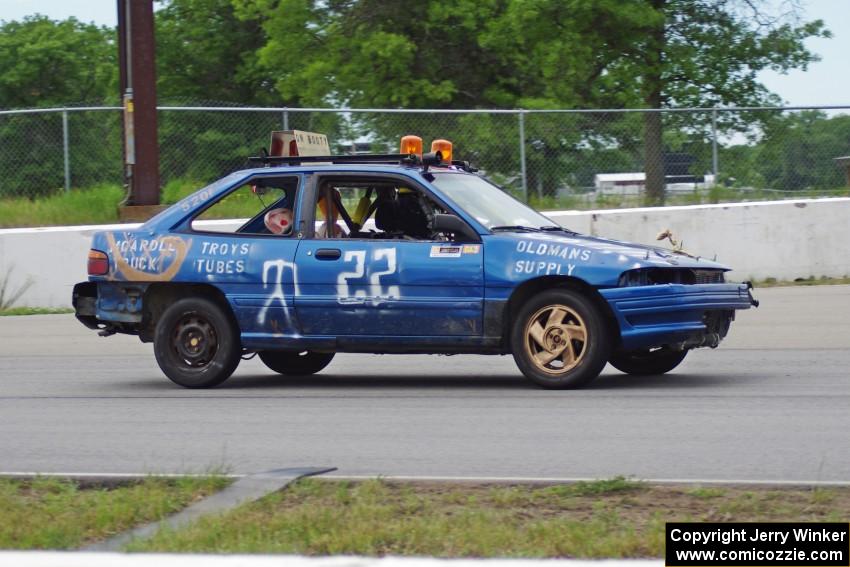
(826, 82)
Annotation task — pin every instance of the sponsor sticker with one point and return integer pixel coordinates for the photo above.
(444, 251)
(471, 248)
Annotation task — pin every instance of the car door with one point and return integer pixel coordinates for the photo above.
(253, 267)
(373, 284)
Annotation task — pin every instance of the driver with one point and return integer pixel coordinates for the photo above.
(329, 228)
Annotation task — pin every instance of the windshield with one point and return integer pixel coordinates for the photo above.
(491, 206)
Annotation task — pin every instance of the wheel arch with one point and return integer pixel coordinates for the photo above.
(529, 288)
(158, 296)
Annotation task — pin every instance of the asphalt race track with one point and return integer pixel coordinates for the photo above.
(772, 403)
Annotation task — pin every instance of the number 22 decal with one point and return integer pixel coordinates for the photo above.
(377, 291)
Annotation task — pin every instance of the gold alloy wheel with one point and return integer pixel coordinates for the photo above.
(556, 339)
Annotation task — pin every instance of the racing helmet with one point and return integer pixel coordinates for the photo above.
(279, 220)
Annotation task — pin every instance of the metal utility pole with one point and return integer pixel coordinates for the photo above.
(522, 165)
(137, 63)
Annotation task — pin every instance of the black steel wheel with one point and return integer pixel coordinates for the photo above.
(648, 362)
(560, 340)
(196, 343)
(295, 363)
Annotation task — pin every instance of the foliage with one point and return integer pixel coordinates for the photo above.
(794, 154)
(497, 53)
(46, 63)
(533, 54)
(798, 151)
(206, 56)
(707, 53)
(19, 311)
(8, 295)
(596, 487)
(336, 42)
(712, 51)
(95, 205)
(810, 281)
(602, 519)
(204, 53)
(50, 513)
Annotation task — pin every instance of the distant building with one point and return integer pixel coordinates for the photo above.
(354, 148)
(620, 183)
(633, 183)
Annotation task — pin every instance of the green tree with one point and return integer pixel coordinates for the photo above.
(653, 54)
(535, 54)
(206, 54)
(475, 54)
(45, 63)
(708, 53)
(797, 151)
(373, 53)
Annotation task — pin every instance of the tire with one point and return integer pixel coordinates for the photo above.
(294, 363)
(559, 339)
(648, 362)
(196, 343)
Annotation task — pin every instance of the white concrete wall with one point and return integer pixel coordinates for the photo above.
(780, 239)
(53, 258)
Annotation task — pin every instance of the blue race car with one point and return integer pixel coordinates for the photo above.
(396, 253)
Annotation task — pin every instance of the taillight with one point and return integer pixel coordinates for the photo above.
(98, 263)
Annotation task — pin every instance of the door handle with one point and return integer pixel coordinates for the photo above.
(328, 254)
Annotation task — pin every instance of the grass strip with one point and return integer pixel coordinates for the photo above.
(95, 205)
(16, 311)
(773, 282)
(91, 205)
(614, 518)
(51, 513)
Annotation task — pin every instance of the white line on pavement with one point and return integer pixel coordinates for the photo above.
(436, 478)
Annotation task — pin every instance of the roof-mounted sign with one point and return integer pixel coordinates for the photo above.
(290, 143)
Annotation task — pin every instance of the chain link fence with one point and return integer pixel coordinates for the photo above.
(581, 159)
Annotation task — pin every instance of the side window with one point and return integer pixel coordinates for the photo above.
(374, 209)
(261, 206)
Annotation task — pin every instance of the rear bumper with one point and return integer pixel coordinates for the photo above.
(109, 307)
(84, 300)
(676, 315)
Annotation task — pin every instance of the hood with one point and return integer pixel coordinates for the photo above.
(654, 255)
(626, 255)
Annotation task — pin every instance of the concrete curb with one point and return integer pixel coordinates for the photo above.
(244, 490)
